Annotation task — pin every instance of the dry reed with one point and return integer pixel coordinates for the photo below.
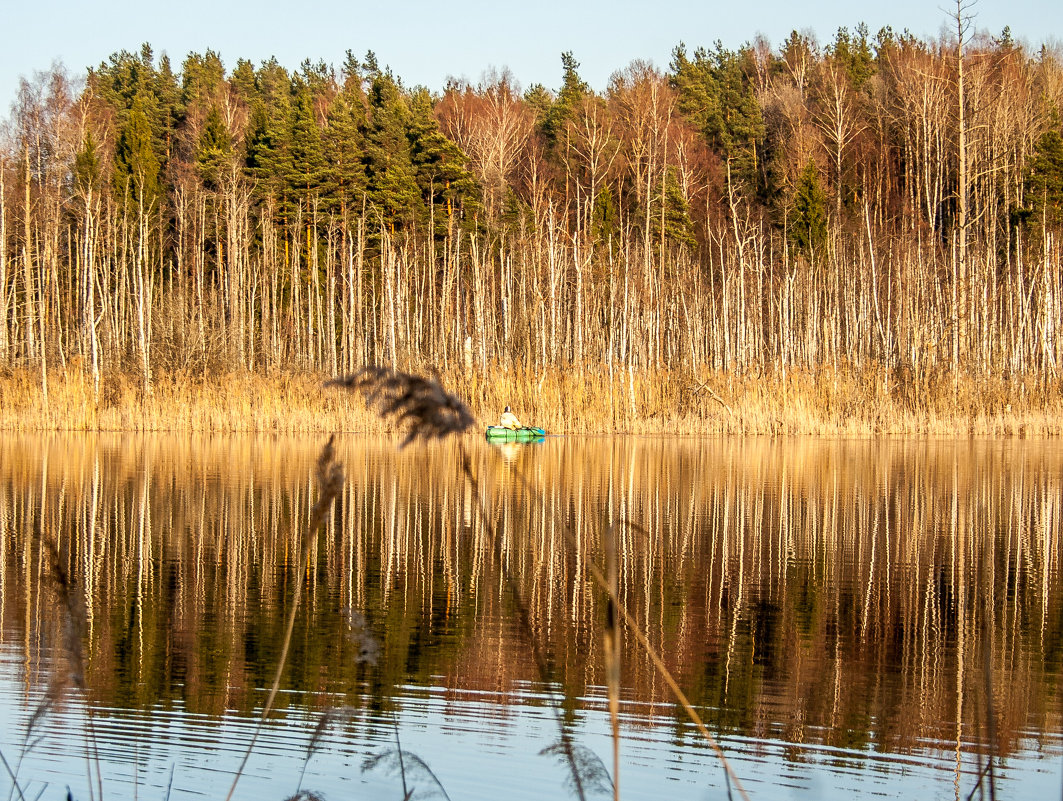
(841, 401)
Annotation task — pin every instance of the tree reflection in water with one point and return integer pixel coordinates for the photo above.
(844, 594)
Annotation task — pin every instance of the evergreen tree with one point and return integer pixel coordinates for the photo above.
(203, 80)
(853, 53)
(263, 150)
(798, 55)
(716, 95)
(214, 148)
(87, 165)
(274, 88)
(266, 141)
(129, 81)
(563, 109)
(391, 181)
(1044, 182)
(136, 166)
(319, 78)
(605, 223)
(170, 112)
(344, 180)
(441, 168)
(352, 74)
(678, 227)
(243, 81)
(808, 224)
(539, 100)
(306, 152)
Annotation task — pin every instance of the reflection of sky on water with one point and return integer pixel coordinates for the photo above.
(480, 745)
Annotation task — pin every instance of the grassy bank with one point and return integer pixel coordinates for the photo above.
(845, 402)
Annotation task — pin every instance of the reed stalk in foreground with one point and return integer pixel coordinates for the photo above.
(611, 648)
(71, 675)
(330, 479)
(430, 412)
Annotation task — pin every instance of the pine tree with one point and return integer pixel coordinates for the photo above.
(678, 227)
(266, 156)
(136, 166)
(203, 79)
(1044, 182)
(214, 148)
(539, 100)
(306, 152)
(87, 165)
(447, 186)
(263, 150)
(716, 96)
(391, 181)
(344, 181)
(569, 98)
(605, 221)
(243, 81)
(854, 54)
(808, 226)
(129, 82)
(170, 113)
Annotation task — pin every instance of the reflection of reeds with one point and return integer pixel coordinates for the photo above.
(72, 622)
(803, 517)
(329, 476)
(67, 674)
(430, 412)
(72, 625)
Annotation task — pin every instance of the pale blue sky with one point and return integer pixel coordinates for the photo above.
(425, 42)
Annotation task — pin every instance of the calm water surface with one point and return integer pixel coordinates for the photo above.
(851, 619)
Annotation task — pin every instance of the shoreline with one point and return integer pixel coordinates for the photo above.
(830, 402)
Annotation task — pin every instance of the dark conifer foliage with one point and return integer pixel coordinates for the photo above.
(808, 230)
(320, 218)
(391, 181)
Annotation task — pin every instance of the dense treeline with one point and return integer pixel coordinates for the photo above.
(885, 203)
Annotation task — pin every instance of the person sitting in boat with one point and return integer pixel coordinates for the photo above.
(509, 420)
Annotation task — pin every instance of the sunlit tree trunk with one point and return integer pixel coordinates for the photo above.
(5, 308)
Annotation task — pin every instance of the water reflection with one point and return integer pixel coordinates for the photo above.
(824, 603)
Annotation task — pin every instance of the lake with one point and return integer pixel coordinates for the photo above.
(850, 619)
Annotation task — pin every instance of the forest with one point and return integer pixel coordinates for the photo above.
(880, 212)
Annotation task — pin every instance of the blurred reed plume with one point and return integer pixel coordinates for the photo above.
(411, 768)
(420, 404)
(329, 474)
(69, 672)
(337, 715)
(589, 774)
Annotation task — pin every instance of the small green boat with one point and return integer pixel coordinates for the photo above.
(524, 434)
